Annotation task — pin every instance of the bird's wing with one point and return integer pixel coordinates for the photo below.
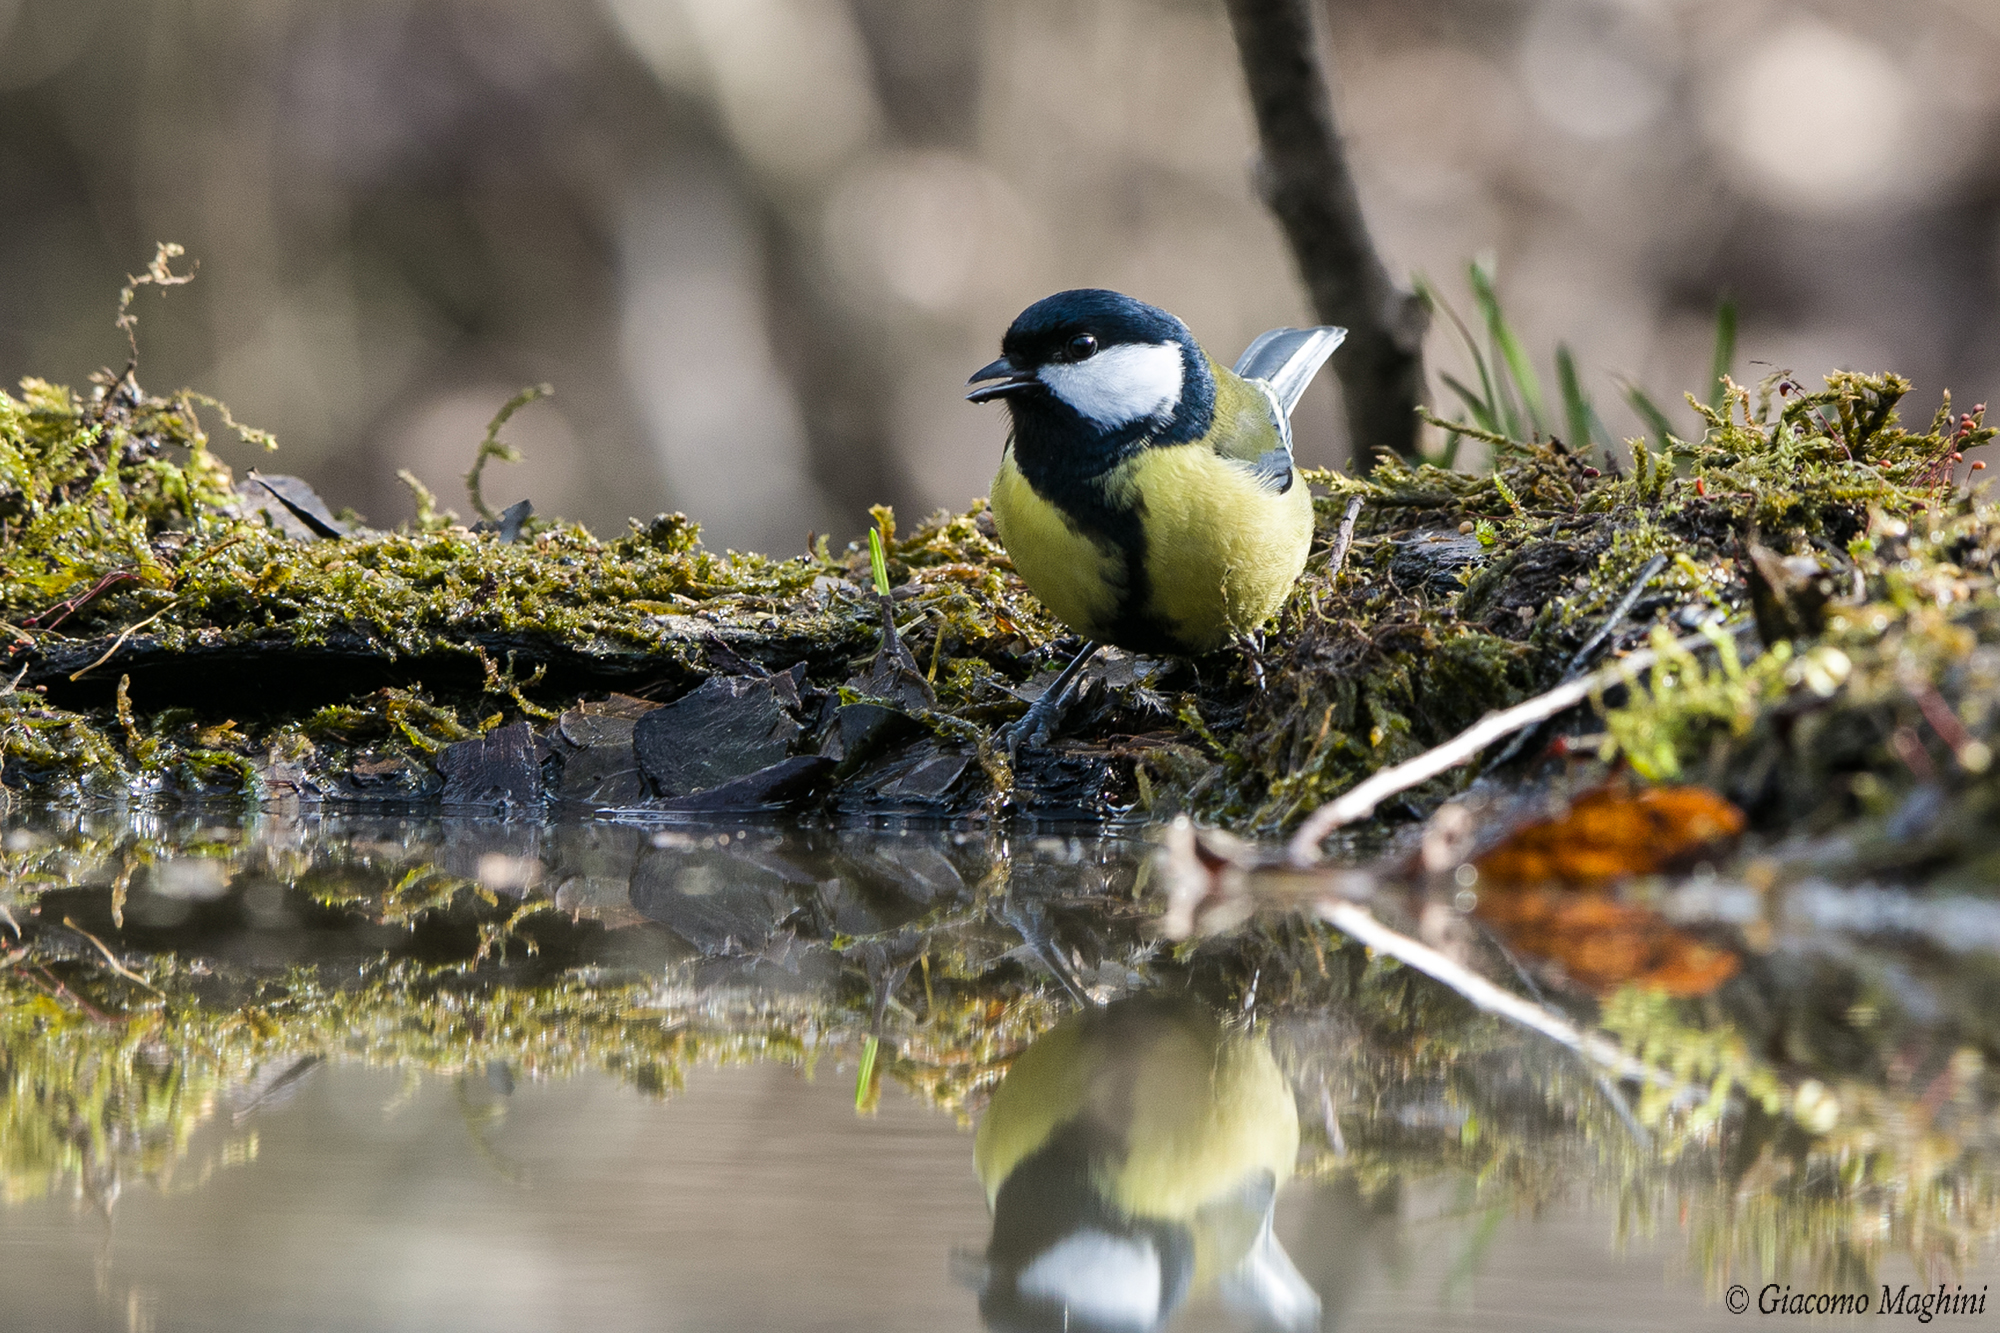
(1273, 470)
(1287, 360)
(1279, 365)
(1252, 431)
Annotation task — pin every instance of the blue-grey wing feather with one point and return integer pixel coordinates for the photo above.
(1273, 470)
(1287, 360)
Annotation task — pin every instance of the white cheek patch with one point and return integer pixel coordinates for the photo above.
(1109, 1280)
(1120, 385)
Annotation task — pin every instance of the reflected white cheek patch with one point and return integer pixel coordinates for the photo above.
(1113, 1281)
(1120, 385)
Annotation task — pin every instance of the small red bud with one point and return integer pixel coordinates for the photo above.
(1979, 465)
(1700, 486)
(1592, 472)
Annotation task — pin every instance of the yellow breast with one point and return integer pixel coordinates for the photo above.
(1222, 551)
(1194, 1111)
(1079, 577)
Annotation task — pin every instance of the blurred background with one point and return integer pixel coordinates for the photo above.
(757, 245)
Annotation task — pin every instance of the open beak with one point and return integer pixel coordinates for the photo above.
(998, 380)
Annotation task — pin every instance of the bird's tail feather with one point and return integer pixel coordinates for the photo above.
(1287, 360)
(1268, 1286)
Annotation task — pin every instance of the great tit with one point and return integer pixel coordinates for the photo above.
(1131, 1159)
(1147, 495)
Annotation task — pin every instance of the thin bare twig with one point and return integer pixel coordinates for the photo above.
(1581, 658)
(1343, 539)
(70, 606)
(112, 958)
(1306, 182)
(130, 630)
(1360, 802)
(1359, 923)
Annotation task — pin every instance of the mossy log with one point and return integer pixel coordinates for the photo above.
(173, 633)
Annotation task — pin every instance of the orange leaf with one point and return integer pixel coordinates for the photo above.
(1611, 833)
(1543, 888)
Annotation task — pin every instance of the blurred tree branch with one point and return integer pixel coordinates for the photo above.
(1307, 184)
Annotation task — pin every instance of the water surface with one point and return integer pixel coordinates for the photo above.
(337, 1089)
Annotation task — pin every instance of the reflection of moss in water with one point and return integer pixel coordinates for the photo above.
(103, 1085)
(108, 1075)
(1824, 1179)
(1769, 1168)
(108, 1079)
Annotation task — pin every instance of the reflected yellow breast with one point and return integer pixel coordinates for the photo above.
(1205, 1117)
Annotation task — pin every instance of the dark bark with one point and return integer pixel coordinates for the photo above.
(1305, 180)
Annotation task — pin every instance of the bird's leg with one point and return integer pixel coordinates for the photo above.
(1031, 920)
(1036, 726)
(1253, 653)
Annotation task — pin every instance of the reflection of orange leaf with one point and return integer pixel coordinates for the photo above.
(1610, 833)
(1601, 943)
(1542, 889)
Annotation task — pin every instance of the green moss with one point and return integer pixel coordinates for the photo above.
(123, 541)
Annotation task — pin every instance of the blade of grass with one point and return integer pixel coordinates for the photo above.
(869, 1046)
(1484, 407)
(1598, 430)
(1650, 413)
(1509, 350)
(1725, 350)
(1482, 412)
(1576, 407)
(1586, 427)
(1511, 415)
(878, 562)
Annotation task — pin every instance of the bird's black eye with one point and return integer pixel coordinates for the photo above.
(1081, 347)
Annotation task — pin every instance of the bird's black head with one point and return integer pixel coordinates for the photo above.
(1093, 374)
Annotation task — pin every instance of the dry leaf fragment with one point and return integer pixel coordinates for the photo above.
(1543, 889)
(1611, 833)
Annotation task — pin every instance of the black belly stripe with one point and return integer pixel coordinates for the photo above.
(1135, 628)
(1120, 530)
(1085, 503)
(1077, 483)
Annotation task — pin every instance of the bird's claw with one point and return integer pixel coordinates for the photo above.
(1034, 728)
(1038, 725)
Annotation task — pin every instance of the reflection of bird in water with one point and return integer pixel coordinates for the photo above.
(1132, 1157)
